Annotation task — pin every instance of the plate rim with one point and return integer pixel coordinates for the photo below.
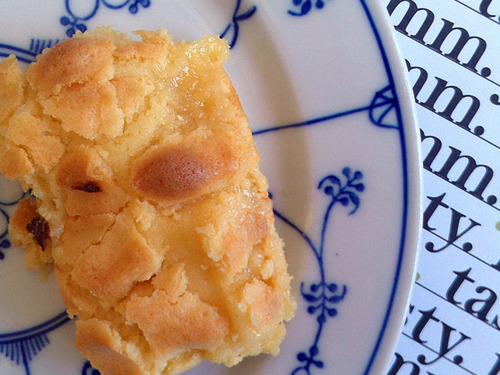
(409, 246)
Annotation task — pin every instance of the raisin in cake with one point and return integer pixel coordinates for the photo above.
(149, 204)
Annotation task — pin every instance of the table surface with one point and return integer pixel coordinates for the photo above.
(452, 53)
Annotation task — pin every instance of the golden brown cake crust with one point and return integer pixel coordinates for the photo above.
(150, 206)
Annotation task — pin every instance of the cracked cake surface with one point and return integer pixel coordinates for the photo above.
(148, 202)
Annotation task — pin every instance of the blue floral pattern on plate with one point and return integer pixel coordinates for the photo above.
(75, 23)
(303, 7)
(21, 347)
(323, 296)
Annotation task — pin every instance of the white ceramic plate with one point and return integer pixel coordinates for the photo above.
(325, 92)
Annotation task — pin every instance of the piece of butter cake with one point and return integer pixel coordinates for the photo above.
(148, 201)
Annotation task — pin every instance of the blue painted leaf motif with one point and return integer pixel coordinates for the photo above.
(344, 201)
(335, 299)
(312, 310)
(306, 7)
(329, 191)
(354, 198)
(310, 297)
(302, 357)
(335, 183)
(359, 187)
(333, 288)
(332, 312)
